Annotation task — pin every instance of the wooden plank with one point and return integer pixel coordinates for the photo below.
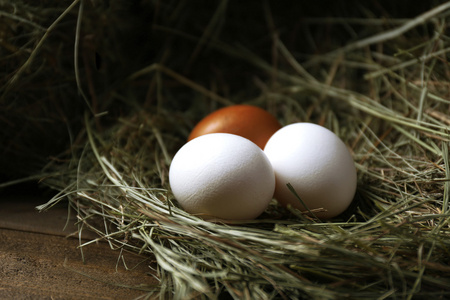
(20, 213)
(38, 261)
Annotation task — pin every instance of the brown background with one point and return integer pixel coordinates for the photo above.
(40, 260)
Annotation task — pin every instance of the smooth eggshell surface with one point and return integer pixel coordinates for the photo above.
(317, 164)
(251, 122)
(223, 176)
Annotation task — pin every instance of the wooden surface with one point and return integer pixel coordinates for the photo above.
(39, 261)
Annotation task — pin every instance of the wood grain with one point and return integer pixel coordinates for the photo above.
(39, 261)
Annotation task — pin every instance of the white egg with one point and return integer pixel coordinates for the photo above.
(221, 175)
(318, 165)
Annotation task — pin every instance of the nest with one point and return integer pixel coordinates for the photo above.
(379, 83)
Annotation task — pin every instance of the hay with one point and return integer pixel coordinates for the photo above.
(32, 83)
(384, 92)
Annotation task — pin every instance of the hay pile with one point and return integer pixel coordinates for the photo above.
(377, 78)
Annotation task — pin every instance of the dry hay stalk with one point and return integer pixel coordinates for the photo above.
(385, 95)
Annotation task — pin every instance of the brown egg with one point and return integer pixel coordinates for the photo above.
(248, 121)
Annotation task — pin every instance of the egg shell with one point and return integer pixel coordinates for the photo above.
(221, 175)
(318, 165)
(251, 122)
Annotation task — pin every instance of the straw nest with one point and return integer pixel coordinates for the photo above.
(377, 78)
